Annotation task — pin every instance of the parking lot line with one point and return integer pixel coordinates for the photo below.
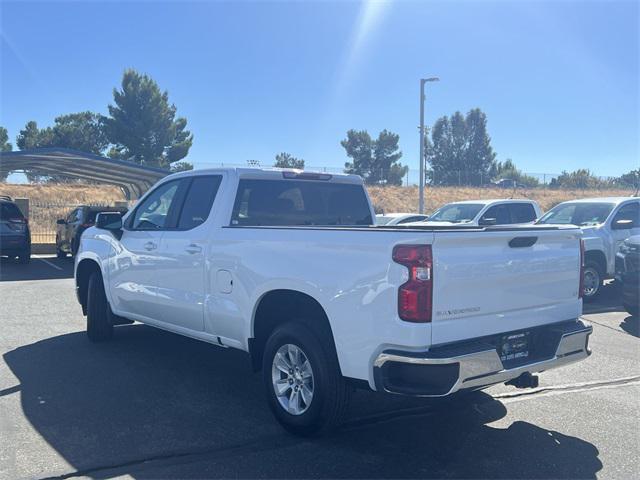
(50, 264)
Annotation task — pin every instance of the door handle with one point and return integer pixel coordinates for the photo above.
(520, 242)
(193, 249)
(150, 246)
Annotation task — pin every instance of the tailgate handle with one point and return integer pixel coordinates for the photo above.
(520, 242)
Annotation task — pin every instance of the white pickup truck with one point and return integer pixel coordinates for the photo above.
(606, 223)
(288, 266)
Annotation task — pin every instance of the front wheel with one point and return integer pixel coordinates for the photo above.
(591, 281)
(99, 326)
(306, 392)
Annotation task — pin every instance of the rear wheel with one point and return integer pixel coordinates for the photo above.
(60, 253)
(592, 281)
(306, 392)
(99, 326)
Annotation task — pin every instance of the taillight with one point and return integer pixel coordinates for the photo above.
(86, 225)
(581, 284)
(415, 295)
(17, 224)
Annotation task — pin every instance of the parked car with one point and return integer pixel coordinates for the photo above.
(70, 229)
(508, 183)
(486, 212)
(606, 223)
(288, 266)
(15, 236)
(399, 218)
(627, 266)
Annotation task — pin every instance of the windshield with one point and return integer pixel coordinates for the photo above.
(579, 214)
(456, 212)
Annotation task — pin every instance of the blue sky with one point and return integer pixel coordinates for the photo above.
(558, 80)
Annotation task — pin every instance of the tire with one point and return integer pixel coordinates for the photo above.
(99, 327)
(325, 407)
(25, 256)
(592, 281)
(75, 243)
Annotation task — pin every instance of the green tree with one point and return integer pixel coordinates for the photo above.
(286, 160)
(5, 146)
(507, 169)
(82, 131)
(461, 151)
(581, 178)
(78, 131)
(629, 180)
(143, 126)
(181, 167)
(377, 161)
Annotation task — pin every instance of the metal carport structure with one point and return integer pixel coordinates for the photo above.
(133, 179)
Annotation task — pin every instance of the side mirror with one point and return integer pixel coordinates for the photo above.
(488, 221)
(61, 221)
(111, 221)
(624, 224)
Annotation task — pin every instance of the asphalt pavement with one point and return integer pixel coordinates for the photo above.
(151, 404)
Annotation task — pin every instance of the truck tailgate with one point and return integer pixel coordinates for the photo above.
(503, 280)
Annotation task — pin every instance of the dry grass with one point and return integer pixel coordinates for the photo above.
(405, 199)
(50, 202)
(74, 194)
(47, 203)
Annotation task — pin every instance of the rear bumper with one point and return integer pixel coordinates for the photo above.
(476, 364)
(13, 244)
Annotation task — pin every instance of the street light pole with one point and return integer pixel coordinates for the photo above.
(422, 162)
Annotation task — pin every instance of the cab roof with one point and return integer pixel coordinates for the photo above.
(274, 174)
(488, 201)
(616, 200)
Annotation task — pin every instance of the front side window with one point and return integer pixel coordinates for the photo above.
(498, 212)
(630, 212)
(153, 212)
(300, 202)
(457, 213)
(198, 201)
(579, 214)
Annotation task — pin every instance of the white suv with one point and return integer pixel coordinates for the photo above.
(486, 212)
(606, 223)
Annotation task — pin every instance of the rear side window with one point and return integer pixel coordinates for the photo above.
(300, 202)
(9, 210)
(198, 201)
(500, 213)
(522, 212)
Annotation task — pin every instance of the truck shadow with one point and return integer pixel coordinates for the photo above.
(153, 404)
(607, 301)
(631, 325)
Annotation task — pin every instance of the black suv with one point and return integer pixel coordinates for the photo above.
(628, 273)
(15, 237)
(69, 230)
